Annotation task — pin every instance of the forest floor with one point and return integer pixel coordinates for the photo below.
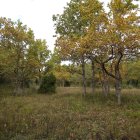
(67, 115)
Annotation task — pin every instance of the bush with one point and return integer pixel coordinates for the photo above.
(67, 83)
(48, 84)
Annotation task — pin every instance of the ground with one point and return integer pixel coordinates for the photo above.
(67, 115)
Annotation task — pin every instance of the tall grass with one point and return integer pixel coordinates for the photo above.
(69, 116)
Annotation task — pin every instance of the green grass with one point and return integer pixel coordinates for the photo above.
(69, 116)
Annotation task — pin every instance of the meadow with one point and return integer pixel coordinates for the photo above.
(67, 115)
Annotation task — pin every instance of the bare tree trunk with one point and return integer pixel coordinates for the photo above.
(118, 85)
(118, 91)
(93, 76)
(118, 78)
(105, 83)
(83, 77)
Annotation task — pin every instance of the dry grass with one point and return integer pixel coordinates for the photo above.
(68, 116)
(132, 91)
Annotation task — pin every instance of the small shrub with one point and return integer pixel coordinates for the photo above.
(48, 84)
(67, 83)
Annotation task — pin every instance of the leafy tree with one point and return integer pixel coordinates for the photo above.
(86, 32)
(93, 14)
(22, 57)
(70, 28)
(123, 36)
(78, 27)
(37, 59)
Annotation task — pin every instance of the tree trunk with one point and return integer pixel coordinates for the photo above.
(105, 83)
(93, 76)
(118, 78)
(83, 77)
(118, 85)
(118, 91)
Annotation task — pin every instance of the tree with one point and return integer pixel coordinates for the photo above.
(86, 32)
(37, 59)
(93, 14)
(14, 40)
(70, 28)
(117, 36)
(123, 36)
(21, 55)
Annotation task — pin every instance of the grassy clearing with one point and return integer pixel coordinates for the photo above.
(68, 116)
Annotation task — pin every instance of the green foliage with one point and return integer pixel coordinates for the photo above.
(130, 70)
(87, 33)
(48, 84)
(22, 57)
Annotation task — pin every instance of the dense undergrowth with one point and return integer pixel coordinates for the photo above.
(69, 116)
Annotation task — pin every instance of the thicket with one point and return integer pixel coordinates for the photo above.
(48, 84)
